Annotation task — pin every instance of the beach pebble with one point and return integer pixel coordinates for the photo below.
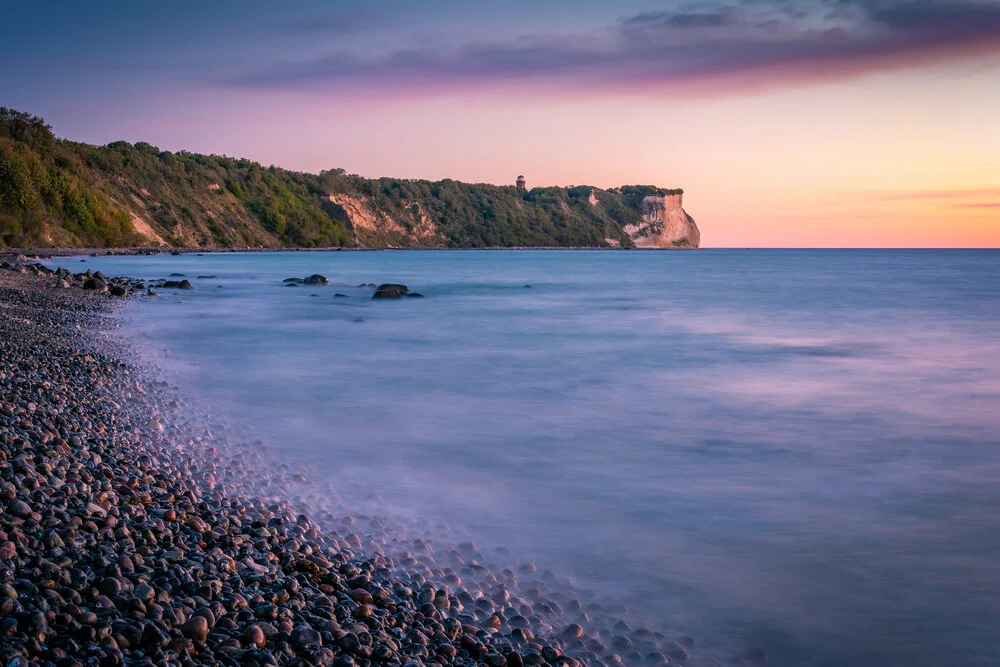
(196, 628)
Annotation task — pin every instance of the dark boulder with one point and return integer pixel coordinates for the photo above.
(206, 277)
(185, 284)
(293, 280)
(390, 291)
(339, 295)
(415, 294)
(176, 275)
(387, 294)
(95, 285)
(118, 290)
(316, 279)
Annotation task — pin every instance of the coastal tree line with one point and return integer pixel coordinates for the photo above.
(55, 192)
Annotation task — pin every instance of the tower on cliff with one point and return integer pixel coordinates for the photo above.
(520, 183)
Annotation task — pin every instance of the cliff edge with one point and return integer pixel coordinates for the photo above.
(664, 224)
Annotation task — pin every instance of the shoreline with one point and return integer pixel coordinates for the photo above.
(51, 253)
(133, 527)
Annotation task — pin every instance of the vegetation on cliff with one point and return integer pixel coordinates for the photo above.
(55, 192)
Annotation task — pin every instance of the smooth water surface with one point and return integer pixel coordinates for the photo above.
(790, 450)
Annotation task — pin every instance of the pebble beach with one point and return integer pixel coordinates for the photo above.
(135, 531)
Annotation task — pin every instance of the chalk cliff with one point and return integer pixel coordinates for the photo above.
(664, 224)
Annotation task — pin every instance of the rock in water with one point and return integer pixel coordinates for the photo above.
(390, 291)
(316, 279)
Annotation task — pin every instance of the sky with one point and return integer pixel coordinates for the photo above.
(789, 123)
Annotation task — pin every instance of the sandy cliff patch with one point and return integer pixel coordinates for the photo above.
(376, 228)
(143, 229)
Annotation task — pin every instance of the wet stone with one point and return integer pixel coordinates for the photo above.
(196, 629)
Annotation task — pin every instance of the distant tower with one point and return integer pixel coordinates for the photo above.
(520, 183)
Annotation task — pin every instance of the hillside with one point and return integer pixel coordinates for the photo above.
(60, 193)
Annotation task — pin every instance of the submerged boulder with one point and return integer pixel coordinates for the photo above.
(390, 291)
(316, 279)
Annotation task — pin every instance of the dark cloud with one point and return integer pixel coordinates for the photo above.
(771, 40)
(717, 17)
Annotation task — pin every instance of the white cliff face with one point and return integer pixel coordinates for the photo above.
(664, 224)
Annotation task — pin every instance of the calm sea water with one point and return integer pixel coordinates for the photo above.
(791, 450)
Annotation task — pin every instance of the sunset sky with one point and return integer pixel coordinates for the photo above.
(787, 122)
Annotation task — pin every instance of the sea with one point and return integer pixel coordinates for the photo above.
(794, 452)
